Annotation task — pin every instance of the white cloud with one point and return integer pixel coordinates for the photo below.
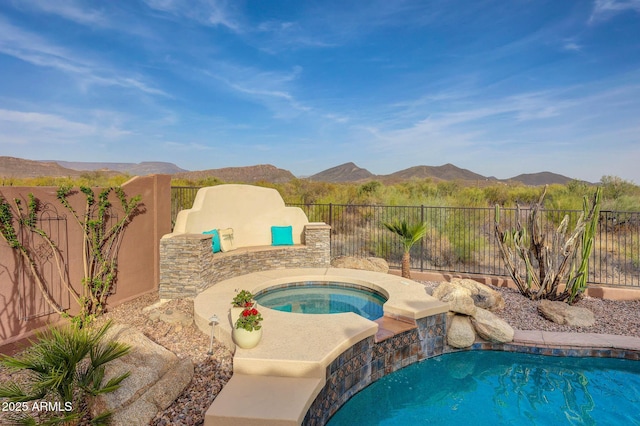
(269, 88)
(206, 12)
(605, 9)
(19, 127)
(42, 128)
(38, 51)
(68, 9)
(571, 46)
(36, 120)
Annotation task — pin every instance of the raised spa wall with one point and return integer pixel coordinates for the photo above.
(368, 360)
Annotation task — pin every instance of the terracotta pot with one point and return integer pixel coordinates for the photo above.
(246, 339)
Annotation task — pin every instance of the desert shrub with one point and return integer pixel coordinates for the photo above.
(496, 194)
(438, 250)
(469, 197)
(462, 234)
(614, 187)
(523, 195)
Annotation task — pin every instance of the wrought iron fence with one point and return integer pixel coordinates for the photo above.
(181, 198)
(461, 239)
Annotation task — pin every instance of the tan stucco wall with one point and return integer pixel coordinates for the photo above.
(138, 260)
(249, 210)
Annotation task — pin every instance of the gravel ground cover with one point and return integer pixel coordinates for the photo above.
(213, 371)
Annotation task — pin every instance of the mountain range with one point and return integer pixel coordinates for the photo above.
(349, 172)
(344, 173)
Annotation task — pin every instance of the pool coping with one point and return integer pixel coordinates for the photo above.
(287, 371)
(569, 344)
(287, 354)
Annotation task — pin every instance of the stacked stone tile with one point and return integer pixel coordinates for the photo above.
(188, 265)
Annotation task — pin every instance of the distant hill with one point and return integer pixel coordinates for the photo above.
(139, 169)
(347, 172)
(444, 172)
(21, 168)
(248, 174)
(542, 178)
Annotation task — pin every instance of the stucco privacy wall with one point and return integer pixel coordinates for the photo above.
(22, 308)
(187, 263)
(249, 210)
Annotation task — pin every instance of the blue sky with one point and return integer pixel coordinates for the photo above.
(498, 87)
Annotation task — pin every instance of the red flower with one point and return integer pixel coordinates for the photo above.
(246, 313)
(248, 304)
(254, 311)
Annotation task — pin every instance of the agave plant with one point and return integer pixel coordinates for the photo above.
(65, 368)
(409, 235)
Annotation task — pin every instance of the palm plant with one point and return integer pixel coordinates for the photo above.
(66, 366)
(409, 235)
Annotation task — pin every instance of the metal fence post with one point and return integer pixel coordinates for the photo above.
(422, 240)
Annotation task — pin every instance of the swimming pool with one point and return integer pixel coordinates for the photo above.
(502, 388)
(317, 297)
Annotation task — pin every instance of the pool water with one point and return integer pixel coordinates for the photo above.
(323, 298)
(500, 388)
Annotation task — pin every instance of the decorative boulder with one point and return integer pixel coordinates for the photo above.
(562, 313)
(460, 333)
(157, 378)
(459, 298)
(483, 296)
(469, 305)
(491, 327)
(374, 264)
(443, 289)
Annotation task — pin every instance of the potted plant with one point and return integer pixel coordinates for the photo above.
(247, 330)
(243, 299)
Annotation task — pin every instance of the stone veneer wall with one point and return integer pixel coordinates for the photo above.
(367, 361)
(188, 266)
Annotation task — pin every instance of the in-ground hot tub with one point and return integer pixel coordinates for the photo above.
(323, 297)
(298, 353)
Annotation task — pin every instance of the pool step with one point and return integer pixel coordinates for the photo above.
(263, 401)
(389, 327)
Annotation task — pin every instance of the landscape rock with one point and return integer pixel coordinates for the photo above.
(176, 317)
(491, 327)
(461, 333)
(374, 264)
(459, 298)
(565, 314)
(157, 378)
(483, 296)
(443, 289)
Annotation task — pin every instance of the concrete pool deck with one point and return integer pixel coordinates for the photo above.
(276, 382)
